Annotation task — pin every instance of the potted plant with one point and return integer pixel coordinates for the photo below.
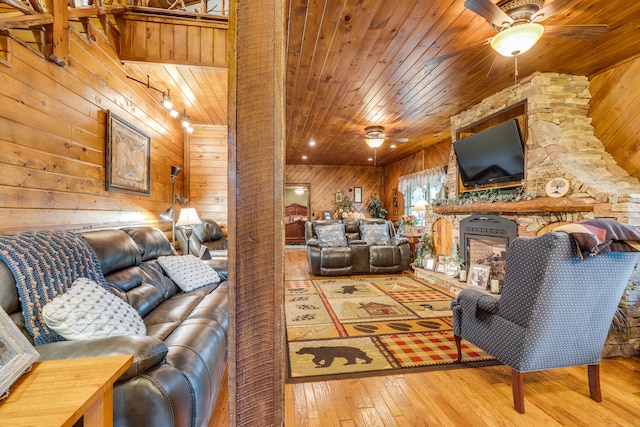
(374, 206)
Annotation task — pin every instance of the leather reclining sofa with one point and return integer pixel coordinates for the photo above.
(178, 366)
(208, 235)
(354, 254)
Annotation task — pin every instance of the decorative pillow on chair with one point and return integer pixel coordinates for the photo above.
(88, 311)
(375, 234)
(189, 272)
(331, 235)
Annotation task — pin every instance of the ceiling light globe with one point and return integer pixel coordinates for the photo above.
(167, 104)
(517, 40)
(374, 142)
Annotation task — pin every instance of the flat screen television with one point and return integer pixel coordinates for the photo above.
(491, 156)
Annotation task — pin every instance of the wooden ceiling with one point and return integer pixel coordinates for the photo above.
(355, 63)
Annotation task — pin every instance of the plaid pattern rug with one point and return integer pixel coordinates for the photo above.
(365, 325)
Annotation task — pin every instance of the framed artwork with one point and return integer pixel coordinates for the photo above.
(478, 275)
(339, 198)
(429, 263)
(128, 157)
(440, 267)
(16, 354)
(326, 215)
(357, 195)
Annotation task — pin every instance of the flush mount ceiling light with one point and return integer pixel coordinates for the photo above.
(517, 39)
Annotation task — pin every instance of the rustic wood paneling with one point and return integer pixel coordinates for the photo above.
(172, 40)
(52, 130)
(325, 181)
(207, 171)
(355, 63)
(615, 111)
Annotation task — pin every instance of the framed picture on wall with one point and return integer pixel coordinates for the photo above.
(357, 195)
(326, 215)
(128, 161)
(339, 198)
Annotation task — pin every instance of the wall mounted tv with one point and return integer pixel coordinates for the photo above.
(491, 156)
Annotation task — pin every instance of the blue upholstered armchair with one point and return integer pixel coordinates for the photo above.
(555, 309)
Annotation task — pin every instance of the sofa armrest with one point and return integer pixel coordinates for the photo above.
(313, 242)
(358, 243)
(147, 351)
(398, 240)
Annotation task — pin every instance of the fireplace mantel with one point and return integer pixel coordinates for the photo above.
(537, 205)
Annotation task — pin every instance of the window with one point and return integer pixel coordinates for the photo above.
(420, 186)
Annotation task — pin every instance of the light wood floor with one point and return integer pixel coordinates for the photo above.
(463, 397)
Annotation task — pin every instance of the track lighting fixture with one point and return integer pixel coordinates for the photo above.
(166, 100)
(185, 120)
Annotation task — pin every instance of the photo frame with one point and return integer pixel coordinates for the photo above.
(339, 198)
(357, 195)
(478, 275)
(430, 263)
(128, 162)
(326, 215)
(16, 354)
(439, 267)
(442, 258)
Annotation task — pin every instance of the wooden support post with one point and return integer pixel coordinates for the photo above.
(256, 182)
(59, 33)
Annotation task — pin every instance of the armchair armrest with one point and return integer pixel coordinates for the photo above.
(468, 300)
(398, 240)
(147, 351)
(313, 242)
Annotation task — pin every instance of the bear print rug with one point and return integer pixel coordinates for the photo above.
(366, 325)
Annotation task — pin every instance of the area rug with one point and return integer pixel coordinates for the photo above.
(369, 325)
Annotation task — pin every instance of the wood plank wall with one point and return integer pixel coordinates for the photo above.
(207, 167)
(325, 181)
(52, 132)
(615, 110)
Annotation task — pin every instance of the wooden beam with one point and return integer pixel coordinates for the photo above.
(60, 33)
(256, 171)
(26, 21)
(19, 5)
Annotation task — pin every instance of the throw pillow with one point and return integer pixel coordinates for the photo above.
(375, 234)
(189, 272)
(88, 311)
(331, 235)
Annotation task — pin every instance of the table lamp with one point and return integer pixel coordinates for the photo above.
(188, 218)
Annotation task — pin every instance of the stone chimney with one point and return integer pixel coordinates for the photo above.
(561, 143)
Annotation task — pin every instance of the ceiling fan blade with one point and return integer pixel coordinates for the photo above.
(439, 59)
(550, 9)
(396, 139)
(580, 32)
(489, 11)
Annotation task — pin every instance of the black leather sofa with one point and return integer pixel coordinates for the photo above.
(179, 364)
(357, 256)
(207, 235)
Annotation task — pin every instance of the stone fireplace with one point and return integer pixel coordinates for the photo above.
(560, 143)
(484, 238)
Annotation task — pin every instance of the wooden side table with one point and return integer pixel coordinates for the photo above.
(59, 392)
(413, 240)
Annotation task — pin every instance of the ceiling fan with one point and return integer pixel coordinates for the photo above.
(517, 24)
(375, 137)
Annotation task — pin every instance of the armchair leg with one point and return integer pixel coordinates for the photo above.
(459, 357)
(517, 386)
(594, 383)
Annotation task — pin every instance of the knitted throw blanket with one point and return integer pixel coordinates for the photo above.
(44, 265)
(596, 236)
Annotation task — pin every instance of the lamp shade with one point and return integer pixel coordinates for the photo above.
(188, 216)
(168, 214)
(420, 206)
(374, 142)
(175, 171)
(517, 39)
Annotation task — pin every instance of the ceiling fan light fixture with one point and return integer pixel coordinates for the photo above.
(374, 142)
(517, 39)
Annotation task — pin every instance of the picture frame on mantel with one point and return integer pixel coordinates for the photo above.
(128, 162)
(16, 354)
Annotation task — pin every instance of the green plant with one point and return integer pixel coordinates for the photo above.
(492, 195)
(374, 206)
